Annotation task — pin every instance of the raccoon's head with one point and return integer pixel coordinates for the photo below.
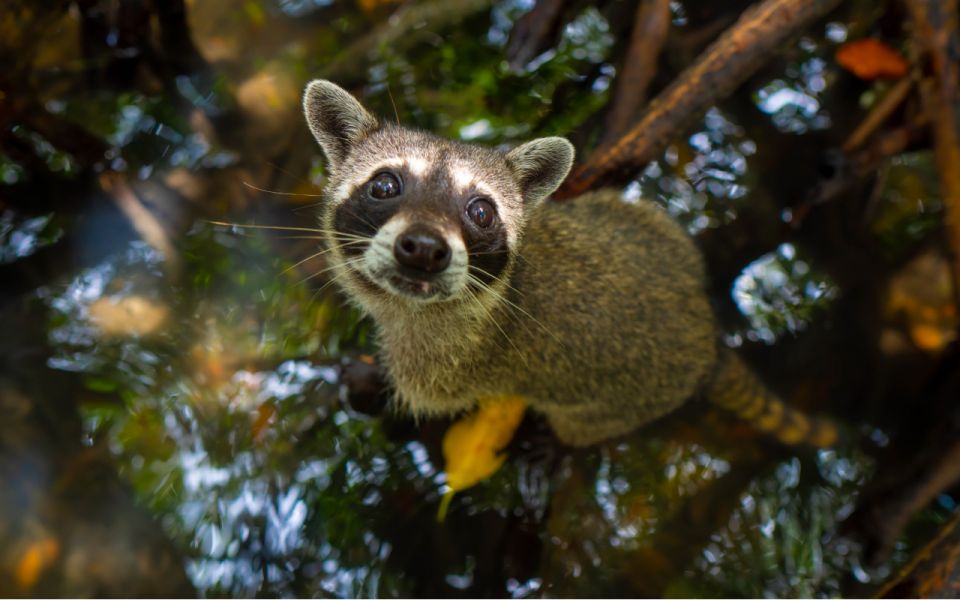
(418, 219)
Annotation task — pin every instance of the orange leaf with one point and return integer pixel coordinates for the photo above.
(368, 6)
(38, 556)
(472, 445)
(261, 420)
(870, 58)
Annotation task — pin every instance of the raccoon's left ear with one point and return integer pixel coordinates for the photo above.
(540, 166)
(336, 118)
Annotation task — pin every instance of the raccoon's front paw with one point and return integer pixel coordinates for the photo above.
(365, 385)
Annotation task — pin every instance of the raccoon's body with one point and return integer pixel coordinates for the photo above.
(594, 310)
(597, 365)
(638, 345)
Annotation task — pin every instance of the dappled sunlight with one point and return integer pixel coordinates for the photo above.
(178, 368)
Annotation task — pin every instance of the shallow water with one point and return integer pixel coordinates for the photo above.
(177, 394)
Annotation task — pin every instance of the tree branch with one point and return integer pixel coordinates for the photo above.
(639, 66)
(935, 30)
(736, 55)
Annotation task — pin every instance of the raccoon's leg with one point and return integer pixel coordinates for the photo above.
(581, 426)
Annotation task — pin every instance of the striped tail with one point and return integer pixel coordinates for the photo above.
(737, 389)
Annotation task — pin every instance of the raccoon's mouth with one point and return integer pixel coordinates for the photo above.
(417, 288)
(400, 284)
(381, 271)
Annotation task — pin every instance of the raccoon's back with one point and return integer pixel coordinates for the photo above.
(617, 305)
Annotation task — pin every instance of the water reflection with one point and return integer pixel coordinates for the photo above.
(700, 184)
(20, 238)
(779, 294)
(793, 101)
(216, 393)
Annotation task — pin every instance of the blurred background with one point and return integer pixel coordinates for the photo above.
(187, 409)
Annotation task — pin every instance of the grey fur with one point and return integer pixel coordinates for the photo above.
(336, 119)
(540, 166)
(600, 319)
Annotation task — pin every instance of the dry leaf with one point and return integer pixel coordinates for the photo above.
(472, 445)
(920, 299)
(369, 6)
(130, 315)
(261, 421)
(870, 59)
(38, 556)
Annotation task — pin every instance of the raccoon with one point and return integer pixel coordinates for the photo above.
(594, 310)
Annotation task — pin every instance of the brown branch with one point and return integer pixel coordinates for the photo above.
(531, 31)
(649, 33)
(736, 55)
(935, 570)
(862, 163)
(881, 518)
(936, 30)
(142, 220)
(878, 115)
(922, 462)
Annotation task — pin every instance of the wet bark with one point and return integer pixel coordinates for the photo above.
(649, 33)
(736, 55)
(533, 31)
(936, 30)
(934, 571)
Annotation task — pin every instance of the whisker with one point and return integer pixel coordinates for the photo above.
(327, 284)
(266, 191)
(345, 263)
(315, 255)
(332, 233)
(363, 218)
(274, 227)
(394, 104)
(510, 304)
(495, 278)
(297, 237)
(493, 320)
(306, 206)
(295, 176)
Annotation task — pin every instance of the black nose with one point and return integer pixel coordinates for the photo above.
(423, 249)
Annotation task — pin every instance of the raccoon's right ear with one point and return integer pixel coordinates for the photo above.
(337, 120)
(540, 166)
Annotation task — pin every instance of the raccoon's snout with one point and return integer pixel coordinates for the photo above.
(422, 249)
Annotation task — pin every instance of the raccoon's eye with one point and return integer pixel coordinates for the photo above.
(385, 185)
(481, 212)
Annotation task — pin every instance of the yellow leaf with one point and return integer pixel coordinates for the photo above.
(129, 315)
(472, 445)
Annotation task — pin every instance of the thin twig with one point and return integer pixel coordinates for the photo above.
(879, 114)
(143, 221)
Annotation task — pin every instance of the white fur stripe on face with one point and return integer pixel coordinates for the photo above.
(417, 166)
(466, 180)
(463, 178)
